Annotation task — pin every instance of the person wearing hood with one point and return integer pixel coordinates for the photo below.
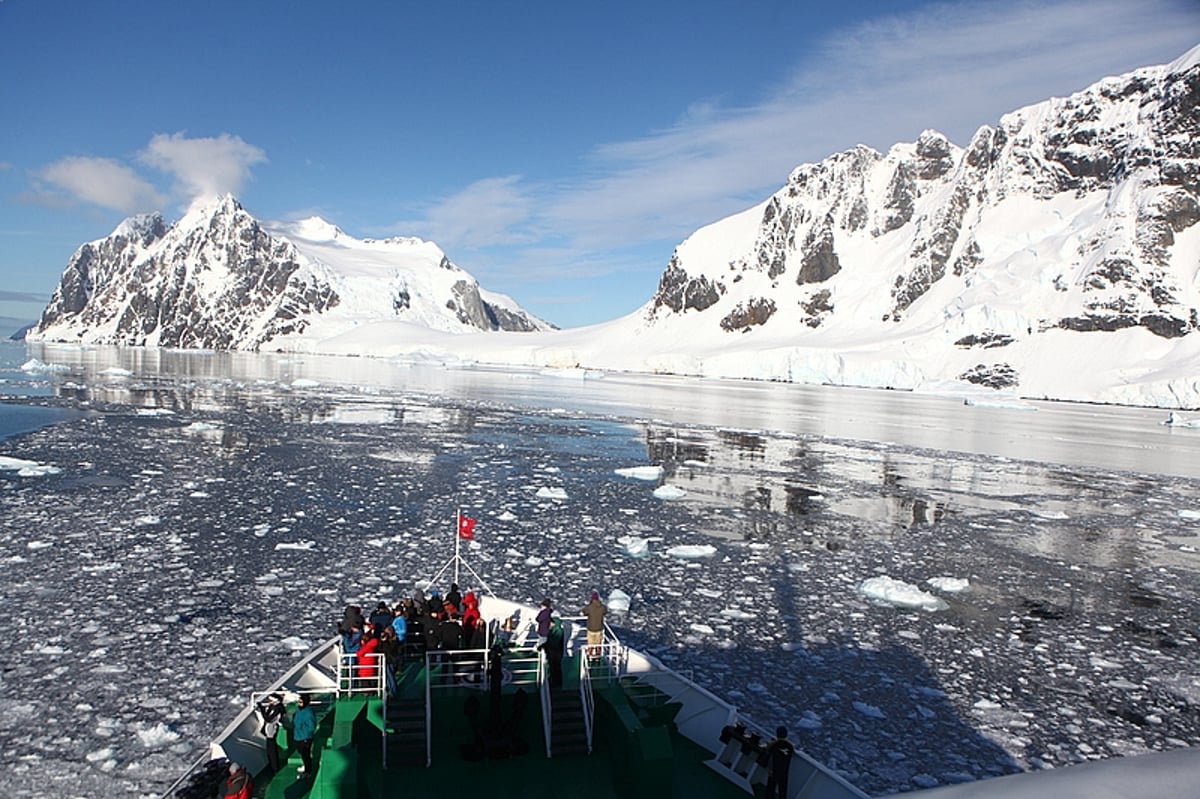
(304, 728)
(454, 597)
(381, 617)
(470, 616)
(368, 665)
(543, 622)
(238, 785)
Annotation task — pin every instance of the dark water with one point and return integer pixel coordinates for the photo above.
(147, 586)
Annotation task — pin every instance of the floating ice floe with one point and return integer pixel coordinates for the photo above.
(618, 601)
(115, 371)
(507, 516)
(633, 546)
(155, 412)
(1014, 403)
(885, 590)
(295, 644)
(950, 585)
(305, 382)
(201, 427)
(300, 545)
(1190, 514)
(737, 614)
(692, 551)
(573, 373)
(669, 492)
(551, 493)
(25, 468)
(534, 560)
(158, 736)
(34, 366)
(641, 472)
(1050, 514)
(869, 711)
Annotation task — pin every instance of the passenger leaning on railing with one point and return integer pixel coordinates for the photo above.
(368, 664)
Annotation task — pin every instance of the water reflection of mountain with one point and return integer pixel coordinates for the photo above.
(791, 486)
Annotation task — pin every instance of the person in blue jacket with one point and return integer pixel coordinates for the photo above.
(304, 728)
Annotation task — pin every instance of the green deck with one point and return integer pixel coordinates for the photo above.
(636, 753)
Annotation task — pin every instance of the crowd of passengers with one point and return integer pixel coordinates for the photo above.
(411, 628)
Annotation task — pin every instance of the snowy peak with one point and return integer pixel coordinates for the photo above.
(314, 228)
(1076, 214)
(220, 279)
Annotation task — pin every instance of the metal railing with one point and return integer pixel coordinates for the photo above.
(586, 698)
(544, 694)
(349, 675)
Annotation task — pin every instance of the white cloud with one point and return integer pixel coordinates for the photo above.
(203, 167)
(103, 182)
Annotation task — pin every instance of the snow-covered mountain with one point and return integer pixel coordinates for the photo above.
(1056, 256)
(221, 279)
(1058, 253)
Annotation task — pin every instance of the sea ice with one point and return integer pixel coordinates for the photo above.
(885, 590)
(35, 366)
(669, 492)
(25, 468)
(692, 551)
(641, 472)
(158, 736)
(869, 710)
(618, 601)
(551, 493)
(950, 585)
(633, 546)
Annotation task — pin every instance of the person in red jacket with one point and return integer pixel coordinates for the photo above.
(470, 617)
(239, 785)
(368, 665)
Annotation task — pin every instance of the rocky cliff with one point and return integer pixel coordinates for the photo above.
(221, 279)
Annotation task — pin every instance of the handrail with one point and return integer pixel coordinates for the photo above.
(587, 699)
(347, 675)
(428, 712)
(544, 692)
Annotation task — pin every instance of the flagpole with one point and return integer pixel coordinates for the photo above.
(457, 540)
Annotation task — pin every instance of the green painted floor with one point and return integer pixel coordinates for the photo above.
(628, 760)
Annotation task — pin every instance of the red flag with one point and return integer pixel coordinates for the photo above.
(466, 528)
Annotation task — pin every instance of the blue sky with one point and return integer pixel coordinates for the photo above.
(556, 150)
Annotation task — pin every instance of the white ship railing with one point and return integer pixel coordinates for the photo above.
(586, 697)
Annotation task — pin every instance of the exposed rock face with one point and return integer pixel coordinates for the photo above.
(745, 316)
(1065, 216)
(998, 376)
(679, 292)
(219, 279)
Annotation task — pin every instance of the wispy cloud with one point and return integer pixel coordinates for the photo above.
(98, 181)
(203, 167)
(23, 296)
(951, 66)
(489, 212)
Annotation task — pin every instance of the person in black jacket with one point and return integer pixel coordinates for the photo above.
(779, 762)
(271, 710)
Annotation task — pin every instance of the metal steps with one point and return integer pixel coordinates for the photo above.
(568, 731)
